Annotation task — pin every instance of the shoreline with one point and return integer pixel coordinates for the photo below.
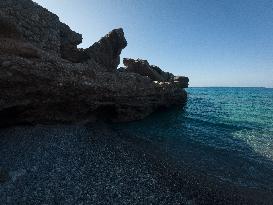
(65, 160)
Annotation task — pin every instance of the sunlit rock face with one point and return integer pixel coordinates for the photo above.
(44, 77)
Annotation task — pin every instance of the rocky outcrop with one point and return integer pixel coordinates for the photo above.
(69, 40)
(141, 67)
(44, 77)
(167, 77)
(153, 72)
(181, 81)
(35, 24)
(107, 51)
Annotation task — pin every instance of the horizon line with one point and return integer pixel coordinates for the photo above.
(230, 87)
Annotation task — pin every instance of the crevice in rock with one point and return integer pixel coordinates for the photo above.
(13, 115)
(106, 113)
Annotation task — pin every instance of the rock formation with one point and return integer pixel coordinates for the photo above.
(106, 52)
(44, 77)
(143, 68)
(181, 81)
(153, 72)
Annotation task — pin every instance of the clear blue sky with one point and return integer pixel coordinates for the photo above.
(213, 42)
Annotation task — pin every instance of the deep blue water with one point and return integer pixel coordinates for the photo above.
(223, 132)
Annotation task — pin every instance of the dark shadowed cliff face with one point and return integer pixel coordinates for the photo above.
(44, 77)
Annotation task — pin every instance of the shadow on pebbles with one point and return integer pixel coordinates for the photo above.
(75, 164)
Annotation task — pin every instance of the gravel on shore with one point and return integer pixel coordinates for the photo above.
(76, 164)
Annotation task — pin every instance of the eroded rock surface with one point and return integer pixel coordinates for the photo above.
(107, 50)
(153, 72)
(143, 68)
(35, 24)
(181, 81)
(44, 77)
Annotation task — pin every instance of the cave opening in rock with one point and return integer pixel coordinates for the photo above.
(12, 115)
(106, 113)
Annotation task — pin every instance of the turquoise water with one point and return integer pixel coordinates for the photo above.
(223, 132)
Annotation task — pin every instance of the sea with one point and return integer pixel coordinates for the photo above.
(223, 132)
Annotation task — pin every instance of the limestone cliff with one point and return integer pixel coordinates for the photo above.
(44, 77)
